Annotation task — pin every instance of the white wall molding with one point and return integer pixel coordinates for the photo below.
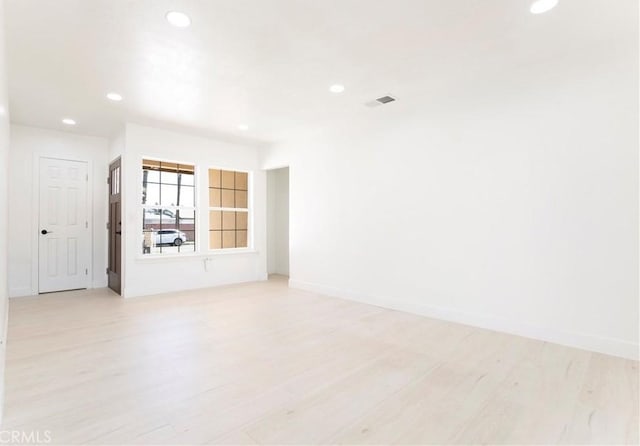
(609, 346)
(100, 283)
(24, 291)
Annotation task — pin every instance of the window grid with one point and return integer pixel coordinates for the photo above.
(168, 202)
(228, 209)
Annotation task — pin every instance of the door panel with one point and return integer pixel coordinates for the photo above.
(64, 245)
(115, 228)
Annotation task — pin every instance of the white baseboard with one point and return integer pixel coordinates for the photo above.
(127, 293)
(27, 291)
(102, 283)
(20, 292)
(608, 346)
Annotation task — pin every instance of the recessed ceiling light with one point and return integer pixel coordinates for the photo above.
(336, 88)
(178, 19)
(68, 121)
(541, 6)
(243, 127)
(114, 97)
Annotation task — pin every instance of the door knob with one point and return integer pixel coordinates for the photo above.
(45, 232)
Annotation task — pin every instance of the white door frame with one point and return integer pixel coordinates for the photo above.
(267, 170)
(35, 222)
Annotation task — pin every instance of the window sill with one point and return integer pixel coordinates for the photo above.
(229, 251)
(155, 258)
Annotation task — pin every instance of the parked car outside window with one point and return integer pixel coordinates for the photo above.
(170, 237)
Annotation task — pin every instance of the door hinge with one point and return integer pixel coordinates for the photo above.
(86, 271)
(108, 180)
(106, 271)
(86, 225)
(108, 225)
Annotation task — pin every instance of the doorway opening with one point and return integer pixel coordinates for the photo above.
(278, 221)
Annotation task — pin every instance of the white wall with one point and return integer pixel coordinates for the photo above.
(4, 202)
(513, 208)
(117, 145)
(27, 143)
(144, 275)
(278, 221)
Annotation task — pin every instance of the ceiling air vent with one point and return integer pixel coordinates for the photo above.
(385, 99)
(380, 101)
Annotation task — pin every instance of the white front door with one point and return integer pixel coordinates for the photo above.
(64, 245)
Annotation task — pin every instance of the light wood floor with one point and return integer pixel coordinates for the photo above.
(261, 364)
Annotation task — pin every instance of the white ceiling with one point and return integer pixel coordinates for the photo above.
(269, 63)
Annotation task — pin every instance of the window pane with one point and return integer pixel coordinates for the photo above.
(215, 239)
(151, 219)
(241, 220)
(187, 227)
(115, 181)
(215, 198)
(168, 219)
(186, 196)
(241, 199)
(168, 195)
(215, 220)
(228, 220)
(228, 239)
(228, 198)
(151, 194)
(228, 179)
(187, 179)
(149, 242)
(214, 178)
(166, 231)
(153, 176)
(241, 239)
(186, 219)
(241, 181)
(168, 178)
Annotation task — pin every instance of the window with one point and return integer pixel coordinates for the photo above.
(114, 181)
(228, 209)
(169, 211)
